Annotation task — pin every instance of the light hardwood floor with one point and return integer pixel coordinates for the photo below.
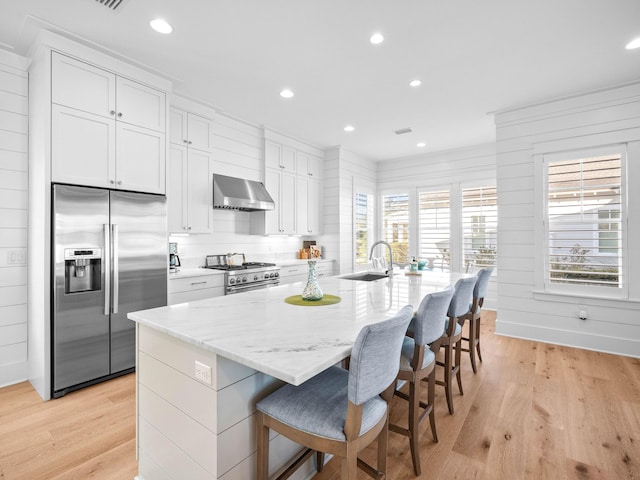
(533, 411)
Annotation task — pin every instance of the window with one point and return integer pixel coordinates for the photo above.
(435, 229)
(480, 226)
(583, 219)
(395, 225)
(363, 226)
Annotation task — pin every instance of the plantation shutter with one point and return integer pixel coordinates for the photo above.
(395, 225)
(363, 221)
(480, 226)
(434, 228)
(584, 221)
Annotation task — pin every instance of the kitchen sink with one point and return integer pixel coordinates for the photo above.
(366, 277)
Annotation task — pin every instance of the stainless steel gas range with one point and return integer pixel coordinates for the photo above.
(241, 276)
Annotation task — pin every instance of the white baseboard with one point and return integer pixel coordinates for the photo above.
(599, 343)
(13, 373)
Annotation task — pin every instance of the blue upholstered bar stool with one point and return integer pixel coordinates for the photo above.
(452, 338)
(473, 315)
(339, 411)
(417, 362)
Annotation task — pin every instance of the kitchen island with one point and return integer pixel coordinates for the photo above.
(202, 366)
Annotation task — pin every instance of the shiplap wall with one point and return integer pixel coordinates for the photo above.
(13, 217)
(342, 168)
(238, 152)
(605, 117)
(449, 169)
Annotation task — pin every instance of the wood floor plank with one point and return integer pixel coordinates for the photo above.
(533, 411)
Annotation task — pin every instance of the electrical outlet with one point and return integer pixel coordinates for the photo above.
(203, 372)
(16, 257)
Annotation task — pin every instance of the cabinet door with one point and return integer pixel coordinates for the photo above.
(302, 204)
(308, 206)
(140, 159)
(272, 217)
(200, 132)
(178, 126)
(314, 207)
(176, 189)
(82, 148)
(140, 105)
(288, 203)
(199, 191)
(82, 86)
(288, 159)
(314, 167)
(272, 153)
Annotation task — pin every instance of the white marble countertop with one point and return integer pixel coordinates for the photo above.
(293, 343)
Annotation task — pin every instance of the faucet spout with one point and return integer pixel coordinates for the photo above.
(382, 242)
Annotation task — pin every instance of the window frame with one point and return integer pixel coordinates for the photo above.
(545, 159)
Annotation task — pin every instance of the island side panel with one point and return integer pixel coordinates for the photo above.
(189, 428)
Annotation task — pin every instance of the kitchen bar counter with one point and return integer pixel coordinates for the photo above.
(202, 365)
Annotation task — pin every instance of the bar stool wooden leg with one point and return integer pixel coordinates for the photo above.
(263, 448)
(458, 356)
(472, 344)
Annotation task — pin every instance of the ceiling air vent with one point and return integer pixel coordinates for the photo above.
(115, 5)
(402, 131)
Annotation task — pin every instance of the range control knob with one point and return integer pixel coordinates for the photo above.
(244, 279)
(255, 278)
(266, 275)
(232, 281)
(277, 274)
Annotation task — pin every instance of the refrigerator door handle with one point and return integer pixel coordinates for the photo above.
(107, 270)
(116, 274)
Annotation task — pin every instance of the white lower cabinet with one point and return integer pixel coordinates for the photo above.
(190, 289)
(300, 272)
(189, 190)
(294, 273)
(192, 429)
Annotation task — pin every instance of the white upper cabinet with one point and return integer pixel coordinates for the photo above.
(140, 105)
(279, 156)
(82, 148)
(293, 178)
(308, 205)
(189, 190)
(190, 182)
(106, 130)
(309, 165)
(82, 86)
(191, 130)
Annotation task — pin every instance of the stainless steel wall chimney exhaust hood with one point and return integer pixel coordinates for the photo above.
(233, 193)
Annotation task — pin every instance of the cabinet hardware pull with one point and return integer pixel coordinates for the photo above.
(112, 112)
(190, 142)
(119, 114)
(197, 283)
(112, 181)
(119, 182)
(185, 141)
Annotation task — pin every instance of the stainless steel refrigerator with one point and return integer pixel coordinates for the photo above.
(109, 258)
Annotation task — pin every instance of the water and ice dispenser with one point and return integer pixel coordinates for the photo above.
(82, 269)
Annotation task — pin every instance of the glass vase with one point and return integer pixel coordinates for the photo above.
(312, 291)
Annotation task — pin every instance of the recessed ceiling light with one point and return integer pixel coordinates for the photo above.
(349, 128)
(376, 38)
(286, 93)
(421, 144)
(633, 44)
(161, 26)
(415, 83)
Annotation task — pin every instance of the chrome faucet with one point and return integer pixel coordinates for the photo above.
(390, 271)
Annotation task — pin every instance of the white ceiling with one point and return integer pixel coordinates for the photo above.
(473, 57)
